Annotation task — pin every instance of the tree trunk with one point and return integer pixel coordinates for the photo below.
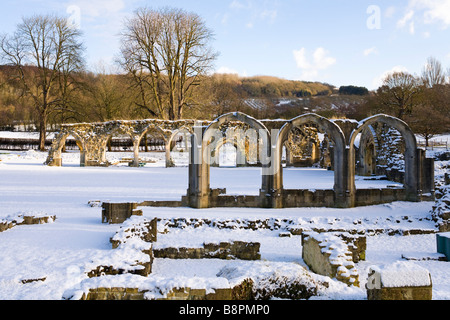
(42, 130)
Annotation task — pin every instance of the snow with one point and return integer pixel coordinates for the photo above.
(62, 252)
(403, 274)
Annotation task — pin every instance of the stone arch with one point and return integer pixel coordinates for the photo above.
(202, 176)
(334, 132)
(174, 133)
(54, 157)
(171, 143)
(140, 135)
(411, 161)
(112, 129)
(240, 150)
(367, 152)
(302, 147)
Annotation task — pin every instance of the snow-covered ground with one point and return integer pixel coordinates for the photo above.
(62, 251)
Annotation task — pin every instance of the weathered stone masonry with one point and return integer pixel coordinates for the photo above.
(273, 137)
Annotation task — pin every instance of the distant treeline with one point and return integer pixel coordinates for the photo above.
(103, 96)
(353, 90)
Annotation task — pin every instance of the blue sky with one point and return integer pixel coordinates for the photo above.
(339, 42)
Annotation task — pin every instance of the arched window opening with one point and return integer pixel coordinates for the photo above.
(119, 150)
(151, 149)
(386, 148)
(309, 159)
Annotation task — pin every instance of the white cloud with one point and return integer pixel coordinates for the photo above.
(378, 81)
(370, 51)
(321, 60)
(227, 70)
(434, 10)
(236, 5)
(271, 15)
(99, 8)
(425, 12)
(256, 10)
(406, 18)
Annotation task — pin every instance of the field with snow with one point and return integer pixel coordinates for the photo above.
(62, 251)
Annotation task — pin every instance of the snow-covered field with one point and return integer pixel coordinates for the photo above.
(62, 251)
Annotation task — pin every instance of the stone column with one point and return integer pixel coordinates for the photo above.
(136, 143)
(198, 190)
(169, 161)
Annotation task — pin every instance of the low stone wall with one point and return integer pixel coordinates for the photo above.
(25, 220)
(240, 201)
(174, 294)
(223, 250)
(308, 198)
(116, 213)
(399, 281)
(254, 284)
(357, 245)
(365, 197)
(142, 231)
(404, 225)
(113, 294)
(329, 255)
(298, 198)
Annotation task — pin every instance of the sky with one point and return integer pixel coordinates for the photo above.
(338, 42)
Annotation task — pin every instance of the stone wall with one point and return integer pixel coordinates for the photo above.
(239, 292)
(399, 281)
(329, 255)
(116, 213)
(20, 219)
(297, 198)
(223, 250)
(140, 263)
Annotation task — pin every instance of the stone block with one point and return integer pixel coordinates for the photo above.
(116, 213)
(399, 281)
(198, 294)
(328, 255)
(223, 250)
(113, 294)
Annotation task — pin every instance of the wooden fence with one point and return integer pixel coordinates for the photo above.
(114, 145)
(435, 143)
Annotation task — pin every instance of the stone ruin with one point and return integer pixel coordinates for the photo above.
(377, 146)
(367, 148)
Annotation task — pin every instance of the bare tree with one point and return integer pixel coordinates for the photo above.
(433, 73)
(398, 93)
(166, 52)
(44, 51)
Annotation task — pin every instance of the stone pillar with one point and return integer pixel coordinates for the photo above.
(241, 159)
(274, 194)
(198, 190)
(136, 143)
(425, 173)
(289, 157)
(82, 158)
(55, 162)
(169, 161)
